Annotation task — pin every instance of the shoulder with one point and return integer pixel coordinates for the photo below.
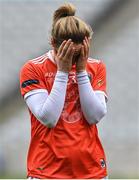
(39, 60)
(96, 64)
(34, 64)
(93, 61)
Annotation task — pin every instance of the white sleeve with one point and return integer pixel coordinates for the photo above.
(47, 108)
(93, 104)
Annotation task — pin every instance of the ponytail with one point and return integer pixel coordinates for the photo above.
(67, 26)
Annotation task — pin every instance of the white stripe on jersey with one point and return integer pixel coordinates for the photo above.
(93, 60)
(37, 58)
(49, 54)
(39, 62)
(40, 59)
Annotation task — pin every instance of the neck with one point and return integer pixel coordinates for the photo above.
(53, 56)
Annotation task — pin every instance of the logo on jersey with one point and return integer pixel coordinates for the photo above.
(50, 75)
(100, 82)
(102, 162)
(29, 82)
(72, 78)
(40, 168)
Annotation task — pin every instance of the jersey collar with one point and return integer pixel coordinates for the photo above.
(50, 55)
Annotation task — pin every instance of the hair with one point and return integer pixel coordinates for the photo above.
(67, 26)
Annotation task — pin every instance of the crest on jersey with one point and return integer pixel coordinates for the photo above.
(100, 82)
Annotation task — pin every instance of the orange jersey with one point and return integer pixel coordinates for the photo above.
(72, 148)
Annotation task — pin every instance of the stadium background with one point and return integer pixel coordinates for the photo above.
(24, 34)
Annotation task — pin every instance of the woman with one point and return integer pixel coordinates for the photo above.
(65, 92)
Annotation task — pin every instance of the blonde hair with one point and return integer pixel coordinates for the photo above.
(67, 26)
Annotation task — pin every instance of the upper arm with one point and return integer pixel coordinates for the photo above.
(30, 79)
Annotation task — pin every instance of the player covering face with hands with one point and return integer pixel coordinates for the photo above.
(65, 92)
(70, 53)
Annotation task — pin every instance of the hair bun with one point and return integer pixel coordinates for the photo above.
(63, 11)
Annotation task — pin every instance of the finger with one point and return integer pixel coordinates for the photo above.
(82, 51)
(87, 42)
(72, 53)
(61, 47)
(88, 46)
(65, 48)
(69, 50)
(85, 48)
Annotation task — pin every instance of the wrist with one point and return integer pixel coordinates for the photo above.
(63, 70)
(82, 73)
(80, 70)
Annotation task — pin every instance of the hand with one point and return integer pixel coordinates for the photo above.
(64, 56)
(82, 58)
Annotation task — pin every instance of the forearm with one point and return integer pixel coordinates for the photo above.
(93, 108)
(48, 108)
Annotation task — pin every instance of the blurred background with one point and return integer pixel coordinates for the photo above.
(24, 34)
